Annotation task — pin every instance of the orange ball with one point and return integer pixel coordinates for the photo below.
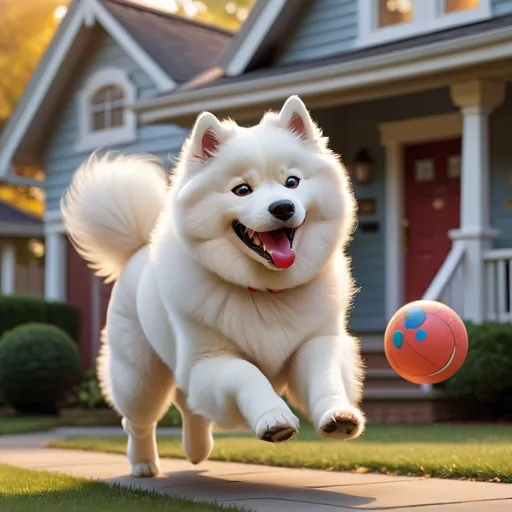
(426, 342)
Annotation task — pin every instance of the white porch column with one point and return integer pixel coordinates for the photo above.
(477, 99)
(8, 269)
(55, 266)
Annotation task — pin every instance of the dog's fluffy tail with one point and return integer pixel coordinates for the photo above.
(111, 208)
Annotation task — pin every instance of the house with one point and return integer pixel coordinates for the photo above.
(21, 251)
(21, 244)
(414, 95)
(105, 56)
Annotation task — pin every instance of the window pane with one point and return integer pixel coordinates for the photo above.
(98, 121)
(116, 93)
(393, 12)
(101, 96)
(117, 116)
(460, 5)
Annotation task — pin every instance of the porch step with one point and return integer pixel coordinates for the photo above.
(388, 398)
(386, 378)
(406, 406)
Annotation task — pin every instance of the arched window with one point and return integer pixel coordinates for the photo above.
(105, 118)
(107, 108)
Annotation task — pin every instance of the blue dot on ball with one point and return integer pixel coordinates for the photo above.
(421, 334)
(414, 317)
(398, 339)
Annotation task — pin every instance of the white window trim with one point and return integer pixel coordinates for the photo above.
(127, 133)
(429, 16)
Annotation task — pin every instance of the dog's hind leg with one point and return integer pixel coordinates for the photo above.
(139, 386)
(197, 438)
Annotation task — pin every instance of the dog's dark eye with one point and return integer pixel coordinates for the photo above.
(242, 190)
(292, 182)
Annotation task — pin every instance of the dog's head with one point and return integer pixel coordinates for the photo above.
(266, 206)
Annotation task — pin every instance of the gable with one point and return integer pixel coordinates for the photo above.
(328, 27)
(62, 156)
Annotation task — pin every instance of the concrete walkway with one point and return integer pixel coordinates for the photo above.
(261, 488)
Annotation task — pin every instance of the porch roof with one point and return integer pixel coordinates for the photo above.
(363, 72)
(17, 224)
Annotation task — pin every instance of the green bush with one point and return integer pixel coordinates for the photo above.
(486, 375)
(87, 394)
(63, 315)
(39, 364)
(17, 310)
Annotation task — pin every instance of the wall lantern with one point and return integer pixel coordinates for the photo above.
(362, 167)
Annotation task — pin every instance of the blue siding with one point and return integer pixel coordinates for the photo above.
(61, 159)
(501, 173)
(354, 127)
(329, 27)
(501, 7)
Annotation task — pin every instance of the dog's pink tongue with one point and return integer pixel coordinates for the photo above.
(278, 246)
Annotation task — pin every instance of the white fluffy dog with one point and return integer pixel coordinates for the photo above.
(232, 285)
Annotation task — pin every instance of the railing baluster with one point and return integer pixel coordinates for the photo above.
(491, 290)
(509, 289)
(501, 283)
(459, 279)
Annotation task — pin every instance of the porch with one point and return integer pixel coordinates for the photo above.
(447, 149)
(451, 143)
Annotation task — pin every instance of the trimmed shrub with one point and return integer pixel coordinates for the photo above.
(39, 364)
(64, 315)
(17, 310)
(87, 394)
(485, 378)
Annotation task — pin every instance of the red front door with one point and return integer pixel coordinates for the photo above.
(432, 208)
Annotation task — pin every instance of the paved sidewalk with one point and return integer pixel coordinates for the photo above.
(262, 488)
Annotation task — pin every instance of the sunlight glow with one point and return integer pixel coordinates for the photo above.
(242, 13)
(230, 7)
(60, 12)
(190, 8)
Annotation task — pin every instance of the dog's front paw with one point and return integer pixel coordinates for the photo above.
(145, 469)
(277, 426)
(342, 423)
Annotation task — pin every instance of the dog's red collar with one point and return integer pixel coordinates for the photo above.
(275, 292)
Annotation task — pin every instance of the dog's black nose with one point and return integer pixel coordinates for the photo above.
(282, 210)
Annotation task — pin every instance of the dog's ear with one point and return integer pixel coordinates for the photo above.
(294, 117)
(207, 135)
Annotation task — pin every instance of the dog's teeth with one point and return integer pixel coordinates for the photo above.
(245, 231)
(250, 233)
(256, 240)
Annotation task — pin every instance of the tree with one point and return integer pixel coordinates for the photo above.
(26, 29)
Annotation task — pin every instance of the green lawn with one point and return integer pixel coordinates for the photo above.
(23, 424)
(442, 450)
(23, 490)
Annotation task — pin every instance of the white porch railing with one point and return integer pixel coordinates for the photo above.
(498, 277)
(448, 285)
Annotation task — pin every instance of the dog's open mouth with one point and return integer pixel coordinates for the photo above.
(274, 246)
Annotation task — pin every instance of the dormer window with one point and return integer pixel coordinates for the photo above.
(107, 108)
(393, 12)
(382, 21)
(105, 119)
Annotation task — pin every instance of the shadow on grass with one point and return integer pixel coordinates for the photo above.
(24, 490)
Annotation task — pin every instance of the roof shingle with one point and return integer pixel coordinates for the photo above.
(183, 48)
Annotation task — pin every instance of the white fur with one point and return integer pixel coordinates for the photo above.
(182, 324)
